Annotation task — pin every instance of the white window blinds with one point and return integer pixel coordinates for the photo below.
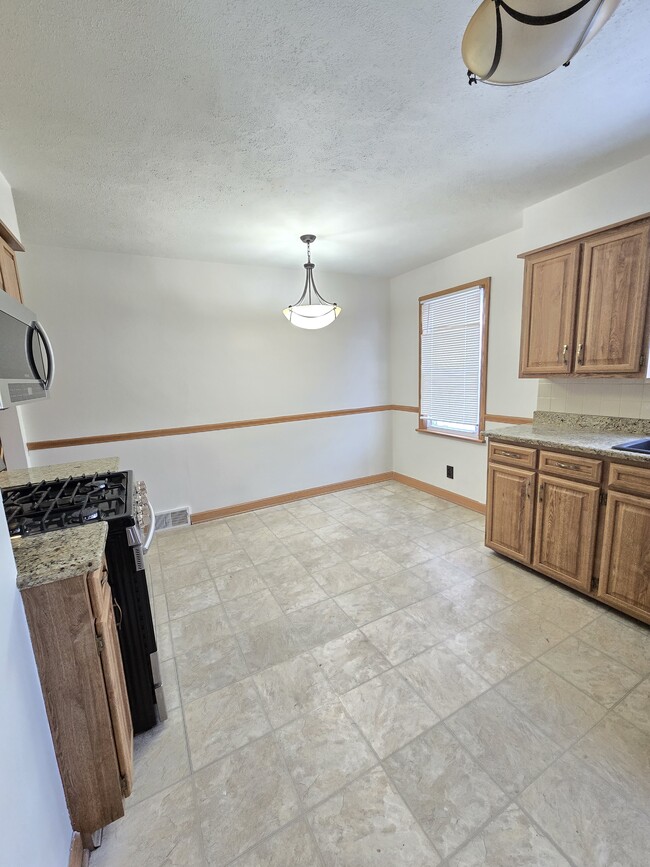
(451, 352)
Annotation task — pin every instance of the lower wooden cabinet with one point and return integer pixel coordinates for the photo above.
(580, 520)
(510, 510)
(72, 627)
(565, 530)
(625, 567)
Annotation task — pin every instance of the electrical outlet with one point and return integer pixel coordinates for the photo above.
(450, 472)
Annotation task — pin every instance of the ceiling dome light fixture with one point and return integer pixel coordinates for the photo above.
(503, 45)
(311, 310)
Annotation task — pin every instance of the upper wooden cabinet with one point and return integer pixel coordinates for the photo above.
(585, 306)
(9, 246)
(9, 272)
(550, 284)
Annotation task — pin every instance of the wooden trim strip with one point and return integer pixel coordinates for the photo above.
(40, 445)
(252, 505)
(76, 850)
(281, 499)
(508, 419)
(442, 493)
(199, 428)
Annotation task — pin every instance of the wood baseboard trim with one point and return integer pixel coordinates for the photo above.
(508, 419)
(280, 499)
(292, 496)
(76, 850)
(442, 493)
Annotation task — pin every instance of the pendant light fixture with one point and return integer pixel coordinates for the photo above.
(311, 310)
(504, 45)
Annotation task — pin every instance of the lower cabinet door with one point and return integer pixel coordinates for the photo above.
(118, 700)
(510, 506)
(625, 563)
(565, 532)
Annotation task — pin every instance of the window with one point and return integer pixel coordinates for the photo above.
(453, 360)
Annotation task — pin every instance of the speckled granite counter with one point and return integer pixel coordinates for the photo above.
(61, 554)
(588, 434)
(12, 478)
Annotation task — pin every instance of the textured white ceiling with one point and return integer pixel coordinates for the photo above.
(223, 129)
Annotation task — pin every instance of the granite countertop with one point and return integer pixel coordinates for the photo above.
(13, 478)
(60, 554)
(593, 435)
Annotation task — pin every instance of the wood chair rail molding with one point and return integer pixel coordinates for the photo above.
(40, 445)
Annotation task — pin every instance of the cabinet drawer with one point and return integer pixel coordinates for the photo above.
(634, 480)
(99, 590)
(570, 466)
(514, 456)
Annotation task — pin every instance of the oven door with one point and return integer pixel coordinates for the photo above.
(26, 357)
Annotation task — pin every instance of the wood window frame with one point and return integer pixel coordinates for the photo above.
(485, 283)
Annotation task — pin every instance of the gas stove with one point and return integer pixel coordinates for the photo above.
(48, 506)
(55, 505)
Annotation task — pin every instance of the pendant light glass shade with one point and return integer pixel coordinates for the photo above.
(311, 311)
(312, 315)
(517, 41)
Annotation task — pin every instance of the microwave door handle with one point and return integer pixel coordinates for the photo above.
(152, 526)
(29, 351)
(42, 333)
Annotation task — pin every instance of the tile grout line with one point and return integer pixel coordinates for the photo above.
(474, 577)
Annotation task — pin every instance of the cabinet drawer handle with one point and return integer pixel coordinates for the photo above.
(564, 466)
(565, 350)
(528, 489)
(541, 492)
(507, 454)
(579, 358)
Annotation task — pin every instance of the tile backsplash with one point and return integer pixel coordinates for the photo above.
(617, 397)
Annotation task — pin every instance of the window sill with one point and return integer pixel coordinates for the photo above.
(480, 438)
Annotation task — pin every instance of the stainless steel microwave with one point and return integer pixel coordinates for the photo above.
(26, 357)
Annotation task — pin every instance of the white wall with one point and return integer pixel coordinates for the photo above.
(425, 456)
(610, 198)
(146, 343)
(34, 825)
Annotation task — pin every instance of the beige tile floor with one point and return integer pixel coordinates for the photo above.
(355, 681)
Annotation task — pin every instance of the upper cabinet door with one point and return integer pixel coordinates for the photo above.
(9, 272)
(548, 320)
(613, 301)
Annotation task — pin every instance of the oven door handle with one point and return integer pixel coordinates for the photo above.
(152, 526)
(49, 352)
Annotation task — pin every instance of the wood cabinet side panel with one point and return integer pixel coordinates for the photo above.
(118, 699)
(62, 630)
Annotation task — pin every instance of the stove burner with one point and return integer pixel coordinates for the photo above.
(54, 505)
